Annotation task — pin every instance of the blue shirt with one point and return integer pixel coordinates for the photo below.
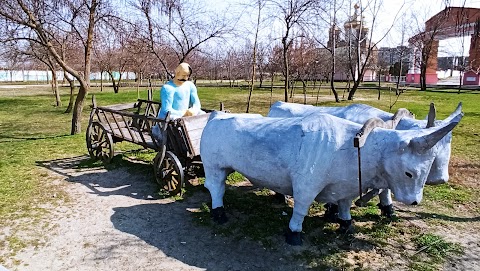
(177, 99)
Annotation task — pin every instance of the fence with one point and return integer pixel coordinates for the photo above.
(45, 76)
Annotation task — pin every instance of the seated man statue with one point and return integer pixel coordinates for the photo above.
(179, 97)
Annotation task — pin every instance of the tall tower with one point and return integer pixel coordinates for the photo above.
(333, 36)
(356, 37)
(355, 30)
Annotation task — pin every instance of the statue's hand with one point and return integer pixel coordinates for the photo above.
(188, 113)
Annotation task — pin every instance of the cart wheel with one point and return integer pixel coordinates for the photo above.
(169, 172)
(99, 143)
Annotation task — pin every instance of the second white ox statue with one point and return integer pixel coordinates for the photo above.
(313, 157)
(360, 113)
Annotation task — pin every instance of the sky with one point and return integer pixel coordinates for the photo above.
(391, 15)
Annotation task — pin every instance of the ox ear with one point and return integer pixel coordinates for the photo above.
(431, 116)
(425, 142)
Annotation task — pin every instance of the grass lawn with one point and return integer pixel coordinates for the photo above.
(33, 130)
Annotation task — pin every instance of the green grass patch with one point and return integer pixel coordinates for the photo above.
(449, 194)
(432, 251)
(34, 133)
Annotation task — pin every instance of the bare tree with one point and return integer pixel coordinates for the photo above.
(402, 52)
(260, 5)
(40, 21)
(294, 16)
(111, 51)
(329, 16)
(426, 43)
(275, 61)
(182, 29)
(360, 40)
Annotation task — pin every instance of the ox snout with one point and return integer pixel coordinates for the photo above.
(409, 199)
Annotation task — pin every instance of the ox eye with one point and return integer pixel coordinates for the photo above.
(409, 174)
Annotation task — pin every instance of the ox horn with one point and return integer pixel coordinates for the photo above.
(401, 113)
(431, 116)
(426, 142)
(369, 125)
(457, 111)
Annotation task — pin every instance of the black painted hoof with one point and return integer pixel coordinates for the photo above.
(331, 212)
(346, 226)
(219, 216)
(279, 198)
(387, 210)
(293, 238)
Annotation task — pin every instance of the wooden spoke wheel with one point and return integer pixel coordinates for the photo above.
(99, 143)
(169, 172)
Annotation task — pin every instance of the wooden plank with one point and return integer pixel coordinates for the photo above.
(195, 134)
(133, 137)
(193, 127)
(114, 126)
(120, 106)
(196, 146)
(195, 122)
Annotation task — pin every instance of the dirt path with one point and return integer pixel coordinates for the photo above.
(114, 221)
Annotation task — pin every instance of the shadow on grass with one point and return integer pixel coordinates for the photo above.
(423, 215)
(7, 139)
(121, 177)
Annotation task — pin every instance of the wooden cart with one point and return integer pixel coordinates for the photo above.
(178, 150)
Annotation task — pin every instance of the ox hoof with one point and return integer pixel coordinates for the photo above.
(279, 198)
(219, 216)
(387, 210)
(293, 238)
(346, 226)
(331, 212)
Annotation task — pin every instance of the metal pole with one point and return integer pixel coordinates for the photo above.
(359, 174)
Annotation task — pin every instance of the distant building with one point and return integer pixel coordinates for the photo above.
(390, 56)
(45, 76)
(354, 32)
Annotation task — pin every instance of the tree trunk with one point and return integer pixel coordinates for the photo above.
(286, 72)
(58, 101)
(318, 92)
(292, 88)
(71, 82)
(397, 90)
(304, 92)
(332, 87)
(114, 84)
(423, 78)
(138, 87)
(460, 83)
(119, 82)
(271, 88)
(356, 83)
(379, 82)
(78, 109)
(254, 57)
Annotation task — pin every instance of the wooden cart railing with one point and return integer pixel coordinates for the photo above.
(177, 147)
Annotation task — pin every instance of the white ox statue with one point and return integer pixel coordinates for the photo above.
(360, 113)
(313, 157)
